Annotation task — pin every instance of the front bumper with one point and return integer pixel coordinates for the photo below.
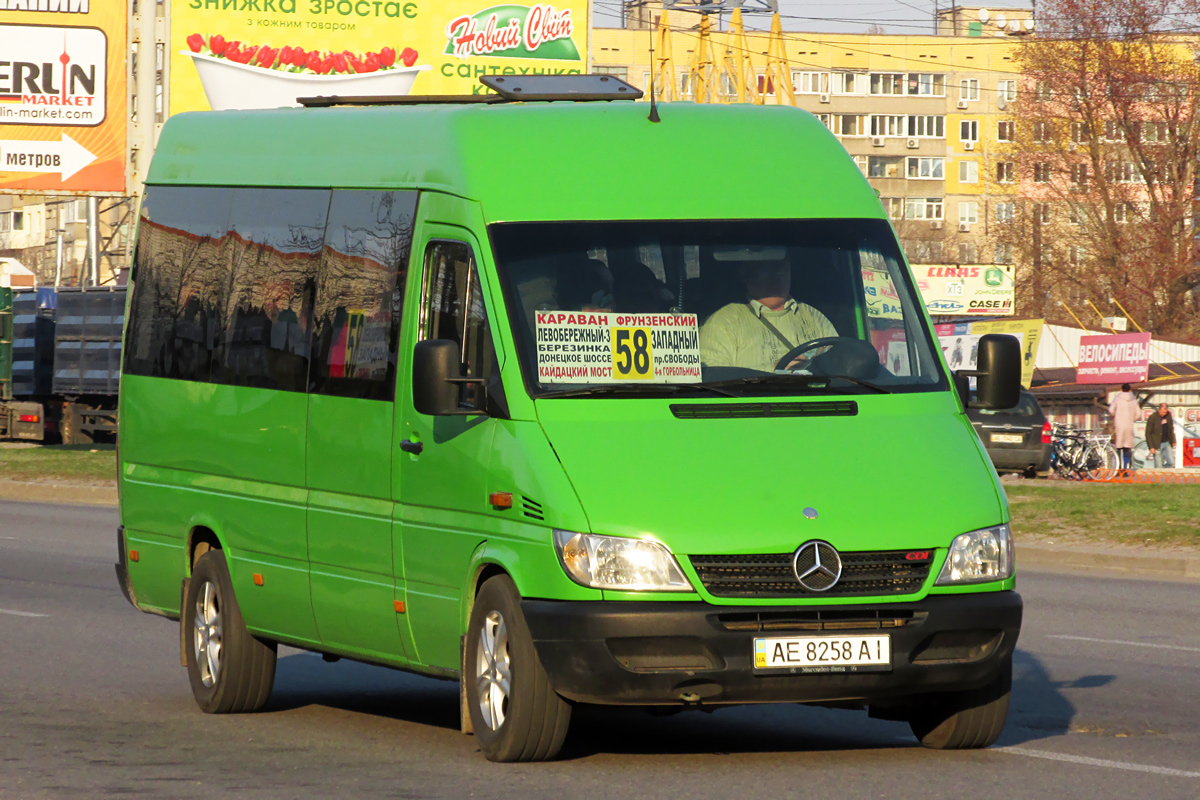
(665, 653)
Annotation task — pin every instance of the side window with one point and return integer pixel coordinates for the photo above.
(177, 272)
(266, 293)
(360, 292)
(452, 308)
(885, 318)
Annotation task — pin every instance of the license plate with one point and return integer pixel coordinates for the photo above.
(1008, 438)
(824, 653)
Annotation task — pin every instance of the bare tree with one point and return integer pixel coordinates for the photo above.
(1106, 148)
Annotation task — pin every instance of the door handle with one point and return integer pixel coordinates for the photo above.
(409, 446)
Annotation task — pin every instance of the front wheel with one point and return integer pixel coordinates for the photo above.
(230, 670)
(964, 720)
(516, 714)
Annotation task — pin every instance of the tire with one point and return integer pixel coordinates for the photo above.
(231, 672)
(964, 720)
(521, 718)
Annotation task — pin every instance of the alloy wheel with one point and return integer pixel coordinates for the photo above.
(206, 630)
(493, 670)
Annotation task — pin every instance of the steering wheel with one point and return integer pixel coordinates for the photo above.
(846, 356)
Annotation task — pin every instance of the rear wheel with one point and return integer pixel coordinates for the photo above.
(230, 670)
(964, 720)
(515, 713)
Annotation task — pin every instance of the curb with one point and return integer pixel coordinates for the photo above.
(1181, 567)
(68, 493)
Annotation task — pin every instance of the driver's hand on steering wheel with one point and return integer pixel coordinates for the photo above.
(797, 362)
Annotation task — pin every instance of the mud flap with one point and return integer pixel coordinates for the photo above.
(464, 713)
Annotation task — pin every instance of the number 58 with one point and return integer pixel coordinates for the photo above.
(631, 362)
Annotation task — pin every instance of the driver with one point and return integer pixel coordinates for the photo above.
(756, 333)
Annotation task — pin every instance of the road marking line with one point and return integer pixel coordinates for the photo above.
(21, 613)
(1132, 644)
(1097, 762)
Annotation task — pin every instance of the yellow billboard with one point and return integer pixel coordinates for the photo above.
(960, 341)
(62, 97)
(229, 54)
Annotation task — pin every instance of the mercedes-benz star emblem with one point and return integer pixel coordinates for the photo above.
(817, 566)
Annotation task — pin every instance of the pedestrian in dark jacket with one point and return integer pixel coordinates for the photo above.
(1160, 436)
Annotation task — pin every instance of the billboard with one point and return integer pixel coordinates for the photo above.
(264, 54)
(975, 289)
(62, 97)
(1113, 358)
(960, 342)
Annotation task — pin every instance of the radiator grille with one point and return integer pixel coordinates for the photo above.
(867, 573)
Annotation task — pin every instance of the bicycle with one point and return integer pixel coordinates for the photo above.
(1081, 454)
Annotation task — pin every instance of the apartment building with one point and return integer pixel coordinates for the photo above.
(928, 118)
(48, 235)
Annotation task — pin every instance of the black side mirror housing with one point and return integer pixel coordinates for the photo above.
(437, 379)
(997, 373)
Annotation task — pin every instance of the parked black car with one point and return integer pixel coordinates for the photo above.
(1017, 439)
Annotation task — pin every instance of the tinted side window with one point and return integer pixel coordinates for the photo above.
(266, 293)
(360, 291)
(453, 309)
(177, 270)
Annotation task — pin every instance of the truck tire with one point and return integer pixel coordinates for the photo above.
(964, 720)
(515, 713)
(230, 671)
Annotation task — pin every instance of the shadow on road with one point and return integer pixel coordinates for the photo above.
(1039, 710)
(304, 679)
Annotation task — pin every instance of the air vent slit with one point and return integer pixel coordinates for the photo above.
(837, 408)
(532, 508)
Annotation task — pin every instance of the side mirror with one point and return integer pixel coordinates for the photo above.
(437, 379)
(997, 372)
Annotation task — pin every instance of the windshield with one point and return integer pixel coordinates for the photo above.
(743, 307)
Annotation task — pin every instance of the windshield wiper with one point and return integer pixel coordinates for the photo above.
(642, 389)
(858, 381)
(807, 381)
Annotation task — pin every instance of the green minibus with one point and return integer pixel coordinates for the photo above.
(530, 392)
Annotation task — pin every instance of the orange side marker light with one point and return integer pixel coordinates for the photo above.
(500, 500)
(258, 579)
(133, 555)
(399, 604)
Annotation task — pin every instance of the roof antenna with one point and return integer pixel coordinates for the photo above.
(653, 103)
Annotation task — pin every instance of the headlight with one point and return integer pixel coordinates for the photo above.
(979, 556)
(613, 562)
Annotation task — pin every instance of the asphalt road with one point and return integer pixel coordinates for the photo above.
(93, 703)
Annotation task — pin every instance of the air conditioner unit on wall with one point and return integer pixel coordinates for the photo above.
(824, 98)
(964, 227)
(1001, 104)
(968, 145)
(913, 144)
(962, 103)
(877, 141)
(936, 224)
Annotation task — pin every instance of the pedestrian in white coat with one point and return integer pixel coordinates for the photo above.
(1124, 409)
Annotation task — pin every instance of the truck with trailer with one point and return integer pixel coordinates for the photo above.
(60, 362)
